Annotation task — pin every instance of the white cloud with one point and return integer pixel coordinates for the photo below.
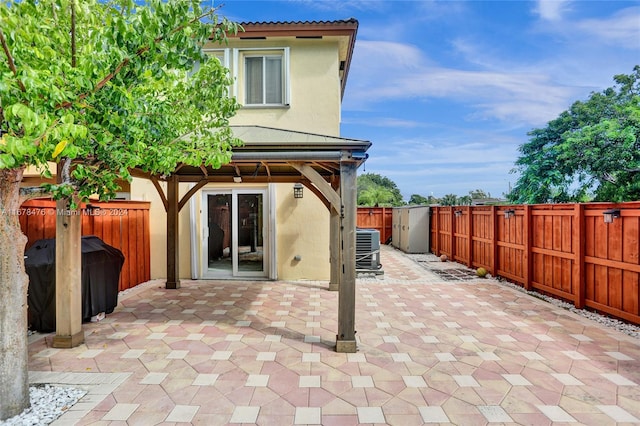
(455, 162)
(551, 10)
(525, 97)
(623, 28)
(385, 122)
(342, 5)
(427, 156)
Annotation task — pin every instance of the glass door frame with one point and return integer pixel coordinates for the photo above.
(235, 273)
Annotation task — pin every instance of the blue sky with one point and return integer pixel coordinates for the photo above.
(447, 90)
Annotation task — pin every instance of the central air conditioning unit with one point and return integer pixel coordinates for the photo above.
(368, 249)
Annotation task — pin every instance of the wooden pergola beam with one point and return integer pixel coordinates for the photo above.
(163, 197)
(322, 185)
(317, 193)
(184, 200)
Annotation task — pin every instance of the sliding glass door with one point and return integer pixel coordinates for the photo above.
(234, 234)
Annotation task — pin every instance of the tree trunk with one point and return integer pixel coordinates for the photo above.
(14, 282)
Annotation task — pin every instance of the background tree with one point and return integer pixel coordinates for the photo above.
(110, 84)
(590, 152)
(449, 200)
(478, 194)
(419, 200)
(368, 181)
(465, 200)
(376, 196)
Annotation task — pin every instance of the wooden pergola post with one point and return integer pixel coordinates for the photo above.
(69, 332)
(346, 338)
(335, 254)
(334, 250)
(173, 242)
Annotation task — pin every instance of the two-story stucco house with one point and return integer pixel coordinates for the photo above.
(243, 221)
(285, 206)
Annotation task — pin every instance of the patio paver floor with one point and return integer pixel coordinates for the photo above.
(429, 351)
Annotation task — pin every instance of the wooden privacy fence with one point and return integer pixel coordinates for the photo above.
(120, 224)
(379, 218)
(565, 250)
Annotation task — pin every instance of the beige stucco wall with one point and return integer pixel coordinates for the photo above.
(302, 228)
(314, 86)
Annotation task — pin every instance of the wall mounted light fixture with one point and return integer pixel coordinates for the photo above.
(611, 214)
(458, 213)
(509, 213)
(298, 189)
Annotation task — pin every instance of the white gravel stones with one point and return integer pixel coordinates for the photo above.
(47, 404)
(621, 326)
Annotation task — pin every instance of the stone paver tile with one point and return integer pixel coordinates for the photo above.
(308, 416)
(120, 412)
(182, 413)
(370, 415)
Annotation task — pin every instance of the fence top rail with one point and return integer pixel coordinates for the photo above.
(561, 206)
(115, 204)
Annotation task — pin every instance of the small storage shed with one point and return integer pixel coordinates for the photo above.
(410, 229)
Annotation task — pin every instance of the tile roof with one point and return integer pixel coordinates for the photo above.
(334, 22)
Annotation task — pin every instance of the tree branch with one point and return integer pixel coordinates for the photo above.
(73, 34)
(609, 177)
(141, 51)
(65, 172)
(27, 193)
(12, 65)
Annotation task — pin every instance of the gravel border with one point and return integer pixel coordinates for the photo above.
(47, 404)
(621, 326)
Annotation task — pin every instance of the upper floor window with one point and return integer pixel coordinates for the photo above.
(260, 75)
(264, 80)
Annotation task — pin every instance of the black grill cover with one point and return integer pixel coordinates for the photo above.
(101, 266)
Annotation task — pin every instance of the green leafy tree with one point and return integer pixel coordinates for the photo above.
(100, 88)
(590, 152)
(479, 193)
(449, 200)
(368, 181)
(419, 200)
(376, 196)
(465, 200)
